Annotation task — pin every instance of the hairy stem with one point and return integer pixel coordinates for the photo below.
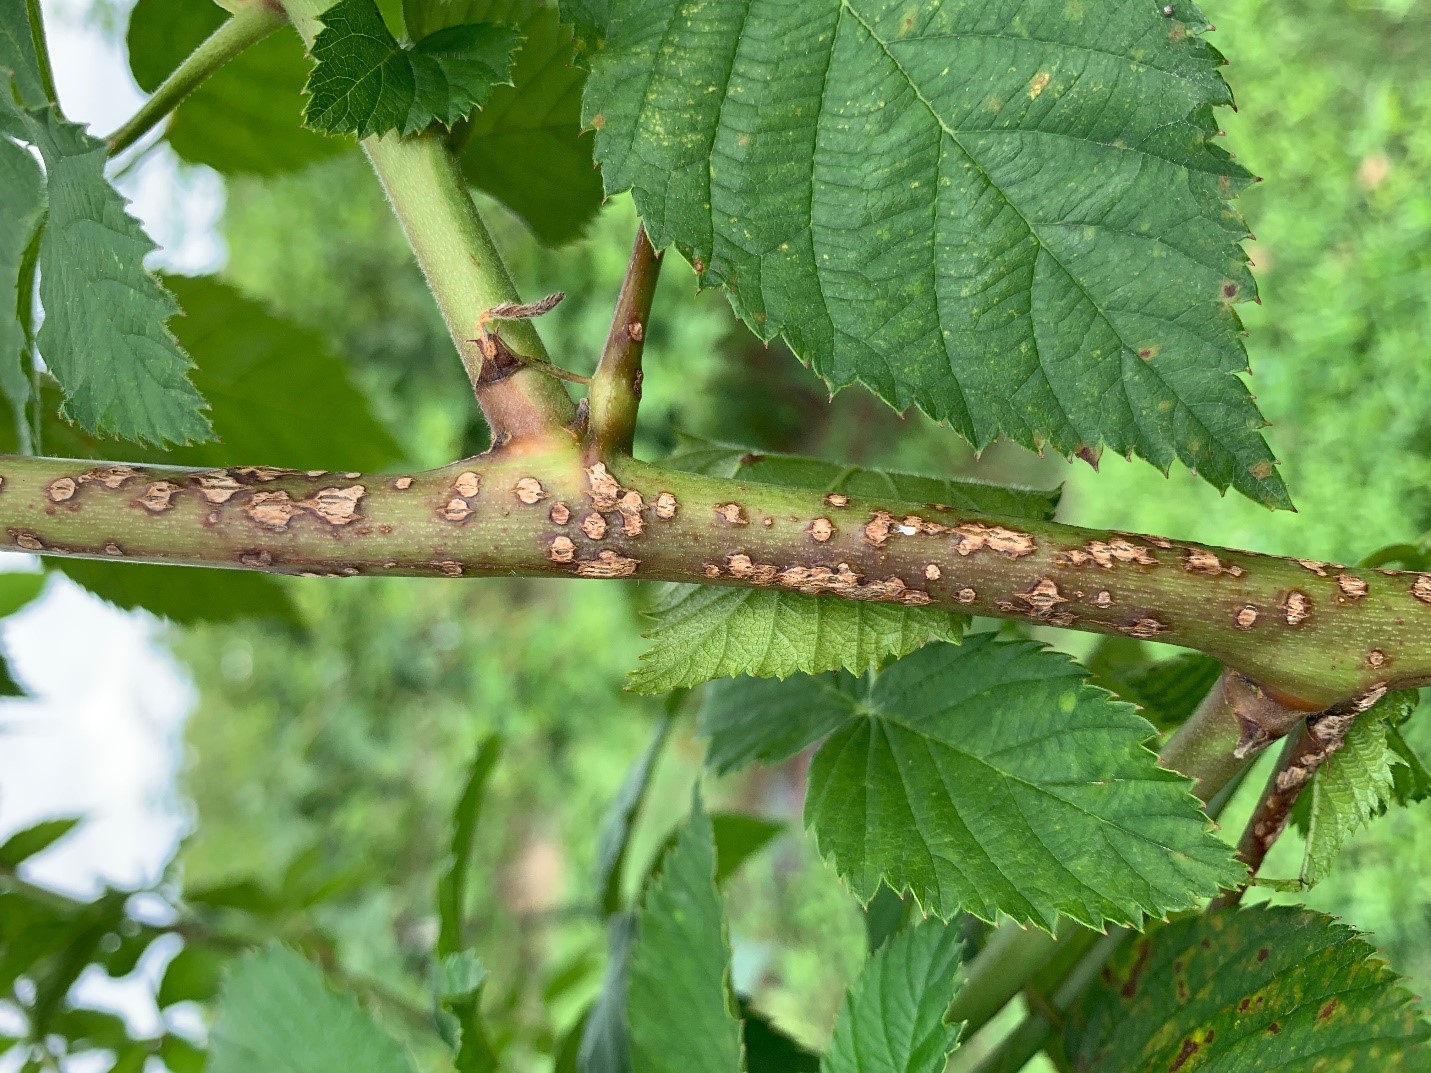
(616, 384)
(250, 24)
(1310, 635)
(36, 18)
(463, 269)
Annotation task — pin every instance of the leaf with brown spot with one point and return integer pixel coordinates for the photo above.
(1263, 988)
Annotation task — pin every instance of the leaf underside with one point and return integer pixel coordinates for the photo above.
(1009, 214)
(705, 632)
(1249, 989)
(988, 778)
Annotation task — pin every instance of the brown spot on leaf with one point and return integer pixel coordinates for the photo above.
(560, 514)
(1245, 618)
(1188, 1049)
(158, 497)
(594, 526)
(837, 499)
(467, 484)
(1328, 1008)
(561, 550)
(60, 489)
(1261, 470)
(272, 510)
(666, 506)
(607, 564)
(1354, 588)
(1037, 84)
(821, 530)
(932, 572)
(731, 514)
(1296, 608)
(1274, 1027)
(402, 484)
(529, 490)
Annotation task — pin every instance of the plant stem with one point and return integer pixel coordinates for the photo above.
(36, 18)
(251, 23)
(666, 525)
(463, 269)
(616, 384)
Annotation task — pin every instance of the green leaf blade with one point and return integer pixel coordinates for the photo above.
(1075, 288)
(452, 886)
(22, 189)
(682, 1013)
(1255, 988)
(892, 1020)
(990, 778)
(364, 83)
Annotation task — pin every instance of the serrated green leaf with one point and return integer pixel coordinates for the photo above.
(365, 83)
(245, 118)
(1352, 785)
(681, 1011)
(990, 778)
(461, 980)
(892, 1020)
(452, 886)
(192, 975)
(17, 56)
(34, 840)
(22, 190)
(104, 336)
(704, 632)
(614, 837)
(526, 146)
(1247, 989)
(1411, 782)
(748, 720)
(605, 1043)
(1011, 215)
(275, 1013)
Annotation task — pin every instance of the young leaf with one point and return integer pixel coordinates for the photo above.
(702, 632)
(991, 778)
(892, 1020)
(275, 1013)
(32, 841)
(1010, 215)
(22, 190)
(1353, 784)
(245, 118)
(452, 887)
(104, 335)
(365, 83)
(1247, 989)
(614, 838)
(681, 1011)
(460, 992)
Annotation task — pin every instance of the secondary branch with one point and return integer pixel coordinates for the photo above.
(1309, 634)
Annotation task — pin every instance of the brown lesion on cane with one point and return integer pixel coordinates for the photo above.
(630, 506)
(467, 484)
(112, 477)
(448, 567)
(973, 537)
(1421, 588)
(665, 506)
(23, 538)
(1246, 617)
(820, 530)
(607, 564)
(402, 484)
(1318, 568)
(455, 509)
(1102, 598)
(218, 487)
(1107, 553)
(1353, 588)
(529, 491)
(61, 489)
(932, 572)
(113, 549)
(1202, 561)
(842, 580)
(336, 506)
(710, 570)
(731, 514)
(1041, 599)
(1376, 659)
(561, 549)
(594, 526)
(966, 596)
(1296, 607)
(560, 513)
(158, 496)
(272, 510)
(256, 559)
(263, 474)
(1144, 628)
(604, 489)
(837, 499)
